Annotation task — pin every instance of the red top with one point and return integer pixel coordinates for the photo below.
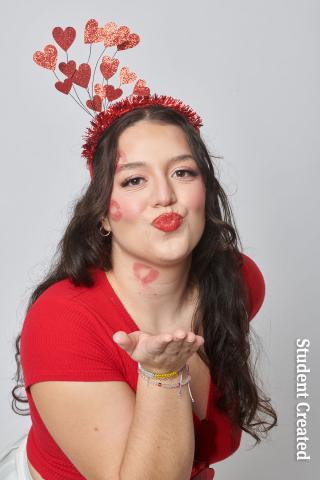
(67, 335)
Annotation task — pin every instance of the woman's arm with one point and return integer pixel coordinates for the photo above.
(109, 433)
(161, 438)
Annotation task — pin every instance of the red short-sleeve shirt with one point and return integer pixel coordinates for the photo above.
(67, 335)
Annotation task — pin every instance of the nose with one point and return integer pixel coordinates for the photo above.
(163, 192)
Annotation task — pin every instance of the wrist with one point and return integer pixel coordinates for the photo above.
(178, 379)
(163, 373)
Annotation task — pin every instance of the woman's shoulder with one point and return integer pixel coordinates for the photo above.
(65, 292)
(64, 306)
(66, 335)
(65, 312)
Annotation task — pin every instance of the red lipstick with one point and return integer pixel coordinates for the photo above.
(168, 222)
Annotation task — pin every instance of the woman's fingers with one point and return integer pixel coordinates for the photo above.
(190, 337)
(127, 342)
(120, 337)
(161, 341)
(166, 342)
(183, 339)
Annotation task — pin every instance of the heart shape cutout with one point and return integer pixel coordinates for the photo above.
(47, 58)
(64, 38)
(68, 69)
(113, 93)
(126, 76)
(132, 40)
(82, 76)
(109, 66)
(65, 86)
(100, 90)
(110, 34)
(95, 104)
(122, 34)
(141, 89)
(92, 32)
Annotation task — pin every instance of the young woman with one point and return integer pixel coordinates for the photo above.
(149, 278)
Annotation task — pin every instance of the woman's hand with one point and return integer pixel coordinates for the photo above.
(163, 352)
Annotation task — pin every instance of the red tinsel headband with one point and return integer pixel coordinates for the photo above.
(101, 94)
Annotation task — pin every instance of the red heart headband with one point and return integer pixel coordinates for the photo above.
(101, 94)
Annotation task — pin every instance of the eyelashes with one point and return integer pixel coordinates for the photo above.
(128, 181)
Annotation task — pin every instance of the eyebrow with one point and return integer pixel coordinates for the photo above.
(128, 166)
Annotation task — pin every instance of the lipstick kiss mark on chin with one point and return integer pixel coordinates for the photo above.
(144, 273)
(115, 212)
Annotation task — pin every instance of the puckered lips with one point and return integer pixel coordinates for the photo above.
(168, 221)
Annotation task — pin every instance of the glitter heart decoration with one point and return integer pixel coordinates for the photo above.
(64, 38)
(47, 58)
(132, 40)
(109, 66)
(140, 88)
(82, 76)
(92, 32)
(126, 76)
(113, 93)
(95, 104)
(122, 34)
(100, 90)
(64, 87)
(110, 34)
(68, 69)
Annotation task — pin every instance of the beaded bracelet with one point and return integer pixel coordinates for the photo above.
(152, 378)
(160, 375)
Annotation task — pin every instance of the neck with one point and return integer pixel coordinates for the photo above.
(157, 296)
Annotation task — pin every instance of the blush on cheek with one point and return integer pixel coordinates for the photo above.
(115, 212)
(144, 273)
(197, 198)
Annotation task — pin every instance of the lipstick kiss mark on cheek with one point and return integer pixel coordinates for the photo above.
(144, 273)
(115, 211)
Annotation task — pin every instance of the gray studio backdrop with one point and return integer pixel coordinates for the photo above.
(251, 70)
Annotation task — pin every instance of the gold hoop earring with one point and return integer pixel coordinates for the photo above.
(104, 235)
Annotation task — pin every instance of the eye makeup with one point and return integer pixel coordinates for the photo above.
(127, 181)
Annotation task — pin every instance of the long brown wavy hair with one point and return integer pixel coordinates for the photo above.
(222, 311)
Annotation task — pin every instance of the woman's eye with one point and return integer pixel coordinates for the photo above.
(128, 182)
(191, 172)
(132, 181)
